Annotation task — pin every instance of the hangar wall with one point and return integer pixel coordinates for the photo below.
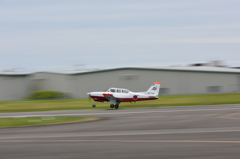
(173, 82)
(76, 85)
(14, 87)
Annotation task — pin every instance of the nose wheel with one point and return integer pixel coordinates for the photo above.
(94, 105)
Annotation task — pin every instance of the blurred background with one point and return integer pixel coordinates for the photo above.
(75, 47)
(200, 78)
(63, 49)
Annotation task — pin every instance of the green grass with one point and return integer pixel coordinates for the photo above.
(81, 104)
(36, 121)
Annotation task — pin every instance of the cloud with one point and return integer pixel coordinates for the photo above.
(96, 40)
(54, 32)
(78, 11)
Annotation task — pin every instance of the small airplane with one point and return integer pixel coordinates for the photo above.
(118, 95)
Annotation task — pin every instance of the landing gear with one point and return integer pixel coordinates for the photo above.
(116, 106)
(94, 105)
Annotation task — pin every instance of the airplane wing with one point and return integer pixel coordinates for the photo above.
(110, 96)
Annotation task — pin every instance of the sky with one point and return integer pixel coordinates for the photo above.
(78, 34)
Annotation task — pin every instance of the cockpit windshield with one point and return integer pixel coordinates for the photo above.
(125, 91)
(112, 90)
(118, 90)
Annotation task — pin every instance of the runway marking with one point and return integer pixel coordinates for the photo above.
(126, 141)
(119, 134)
(143, 117)
(116, 113)
(175, 116)
(230, 116)
(163, 121)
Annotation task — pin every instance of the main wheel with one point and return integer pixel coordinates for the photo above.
(112, 105)
(93, 105)
(116, 106)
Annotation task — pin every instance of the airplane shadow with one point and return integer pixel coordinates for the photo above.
(111, 109)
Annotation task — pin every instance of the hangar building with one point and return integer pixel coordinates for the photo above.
(175, 80)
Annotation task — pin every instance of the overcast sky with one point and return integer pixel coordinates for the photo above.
(57, 34)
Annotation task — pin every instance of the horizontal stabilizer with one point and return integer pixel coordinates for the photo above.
(152, 96)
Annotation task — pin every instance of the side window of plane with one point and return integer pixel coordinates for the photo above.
(119, 90)
(112, 90)
(125, 91)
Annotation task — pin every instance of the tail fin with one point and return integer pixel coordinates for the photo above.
(154, 89)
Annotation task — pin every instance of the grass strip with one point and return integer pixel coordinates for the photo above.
(37, 121)
(81, 104)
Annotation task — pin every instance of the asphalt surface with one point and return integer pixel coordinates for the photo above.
(199, 132)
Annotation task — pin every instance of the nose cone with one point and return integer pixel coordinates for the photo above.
(89, 95)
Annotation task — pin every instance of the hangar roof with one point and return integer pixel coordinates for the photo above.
(200, 69)
(175, 68)
(13, 74)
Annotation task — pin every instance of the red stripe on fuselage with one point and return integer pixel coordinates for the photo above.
(107, 94)
(132, 100)
(99, 99)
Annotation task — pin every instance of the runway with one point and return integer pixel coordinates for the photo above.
(209, 132)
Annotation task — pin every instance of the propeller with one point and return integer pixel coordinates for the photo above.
(89, 97)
